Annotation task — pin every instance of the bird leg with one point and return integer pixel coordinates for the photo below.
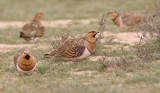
(20, 74)
(76, 61)
(36, 38)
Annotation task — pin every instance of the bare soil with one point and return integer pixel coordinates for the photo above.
(126, 37)
(55, 23)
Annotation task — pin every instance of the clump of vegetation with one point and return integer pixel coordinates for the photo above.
(102, 25)
(125, 59)
(101, 28)
(115, 62)
(56, 41)
(149, 46)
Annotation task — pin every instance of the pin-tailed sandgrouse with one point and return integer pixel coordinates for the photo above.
(76, 49)
(33, 30)
(127, 20)
(25, 61)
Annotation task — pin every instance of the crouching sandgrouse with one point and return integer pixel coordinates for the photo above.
(76, 49)
(25, 61)
(33, 30)
(127, 20)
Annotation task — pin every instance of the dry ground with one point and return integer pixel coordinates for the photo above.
(113, 66)
(89, 73)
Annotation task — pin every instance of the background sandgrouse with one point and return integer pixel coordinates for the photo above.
(25, 60)
(76, 48)
(34, 29)
(127, 20)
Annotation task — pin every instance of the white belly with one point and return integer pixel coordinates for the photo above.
(20, 70)
(85, 54)
(123, 25)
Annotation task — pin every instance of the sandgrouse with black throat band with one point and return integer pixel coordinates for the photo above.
(33, 30)
(25, 61)
(76, 49)
(127, 20)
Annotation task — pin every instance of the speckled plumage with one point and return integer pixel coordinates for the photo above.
(75, 48)
(33, 29)
(127, 20)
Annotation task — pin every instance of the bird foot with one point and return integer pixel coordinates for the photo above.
(23, 74)
(36, 38)
(77, 61)
(20, 74)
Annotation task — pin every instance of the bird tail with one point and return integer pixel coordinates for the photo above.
(21, 34)
(51, 55)
(46, 56)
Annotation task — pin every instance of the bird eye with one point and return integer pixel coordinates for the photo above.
(93, 31)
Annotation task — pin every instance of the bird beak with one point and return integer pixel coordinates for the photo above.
(27, 56)
(97, 32)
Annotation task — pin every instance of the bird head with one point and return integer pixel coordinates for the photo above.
(38, 16)
(113, 14)
(26, 57)
(91, 36)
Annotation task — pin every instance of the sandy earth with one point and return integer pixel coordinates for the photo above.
(82, 72)
(126, 37)
(19, 24)
(95, 58)
(8, 47)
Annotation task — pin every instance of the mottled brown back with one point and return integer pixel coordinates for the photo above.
(132, 18)
(33, 29)
(69, 49)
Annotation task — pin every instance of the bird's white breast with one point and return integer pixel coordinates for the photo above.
(121, 22)
(85, 54)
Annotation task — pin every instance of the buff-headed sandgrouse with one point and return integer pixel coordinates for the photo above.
(33, 30)
(127, 20)
(25, 61)
(76, 49)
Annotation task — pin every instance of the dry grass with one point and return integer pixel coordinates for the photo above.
(150, 38)
(57, 41)
(120, 71)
